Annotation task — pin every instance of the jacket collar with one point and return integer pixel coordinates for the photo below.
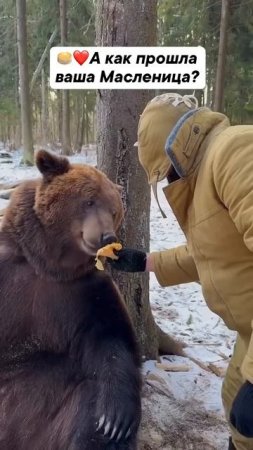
(190, 137)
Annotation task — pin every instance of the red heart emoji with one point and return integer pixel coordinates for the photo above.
(81, 57)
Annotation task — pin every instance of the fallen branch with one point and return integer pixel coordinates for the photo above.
(221, 354)
(199, 363)
(160, 389)
(6, 187)
(5, 194)
(219, 371)
(173, 367)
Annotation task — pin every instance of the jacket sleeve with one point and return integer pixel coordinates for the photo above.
(233, 179)
(174, 266)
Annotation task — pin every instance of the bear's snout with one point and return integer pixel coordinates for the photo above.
(108, 238)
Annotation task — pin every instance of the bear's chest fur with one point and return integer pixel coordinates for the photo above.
(38, 314)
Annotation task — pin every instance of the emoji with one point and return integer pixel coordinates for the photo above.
(81, 57)
(64, 58)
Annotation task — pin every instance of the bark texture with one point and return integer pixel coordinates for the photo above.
(221, 64)
(129, 23)
(25, 102)
(65, 134)
(44, 108)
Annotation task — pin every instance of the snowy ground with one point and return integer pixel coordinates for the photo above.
(181, 311)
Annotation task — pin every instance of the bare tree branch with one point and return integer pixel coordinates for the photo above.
(42, 59)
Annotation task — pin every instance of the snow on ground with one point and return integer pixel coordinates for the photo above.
(10, 173)
(179, 310)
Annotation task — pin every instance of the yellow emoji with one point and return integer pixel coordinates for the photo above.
(64, 57)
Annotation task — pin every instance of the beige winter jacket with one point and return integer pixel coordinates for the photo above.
(213, 203)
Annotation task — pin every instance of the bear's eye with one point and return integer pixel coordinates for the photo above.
(114, 213)
(90, 203)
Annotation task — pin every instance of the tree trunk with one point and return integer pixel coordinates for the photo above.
(125, 23)
(52, 117)
(87, 122)
(221, 64)
(59, 104)
(93, 127)
(77, 122)
(66, 142)
(44, 108)
(17, 134)
(25, 101)
(82, 125)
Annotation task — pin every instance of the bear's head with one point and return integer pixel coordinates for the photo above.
(60, 221)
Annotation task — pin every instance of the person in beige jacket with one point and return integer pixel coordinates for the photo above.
(209, 168)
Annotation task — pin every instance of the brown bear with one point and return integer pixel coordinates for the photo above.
(69, 362)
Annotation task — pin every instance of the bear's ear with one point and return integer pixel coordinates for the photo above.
(51, 165)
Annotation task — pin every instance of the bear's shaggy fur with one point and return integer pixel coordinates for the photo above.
(69, 363)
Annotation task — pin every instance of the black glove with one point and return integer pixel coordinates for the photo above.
(129, 260)
(241, 415)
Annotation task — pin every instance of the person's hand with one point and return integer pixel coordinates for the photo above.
(130, 260)
(241, 415)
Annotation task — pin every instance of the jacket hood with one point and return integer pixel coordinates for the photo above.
(184, 146)
(174, 133)
(156, 122)
(171, 131)
(189, 139)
